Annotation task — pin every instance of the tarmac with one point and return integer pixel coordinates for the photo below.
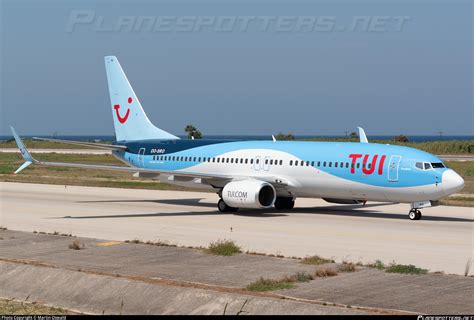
(115, 277)
(441, 241)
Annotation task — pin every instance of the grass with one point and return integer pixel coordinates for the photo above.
(326, 272)
(287, 282)
(263, 284)
(316, 260)
(76, 245)
(347, 267)
(223, 248)
(378, 264)
(398, 268)
(403, 268)
(11, 307)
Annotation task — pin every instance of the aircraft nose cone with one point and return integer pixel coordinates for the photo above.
(452, 182)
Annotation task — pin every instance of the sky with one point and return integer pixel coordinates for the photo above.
(301, 67)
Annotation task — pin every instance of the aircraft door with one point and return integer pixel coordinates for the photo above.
(141, 157)
(266, 163)
(393, 167)
(257, 163)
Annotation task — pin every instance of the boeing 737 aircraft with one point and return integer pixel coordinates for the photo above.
(265, 174)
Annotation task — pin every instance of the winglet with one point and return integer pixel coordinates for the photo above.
(24, 152)
(362, 136)
(273, 138)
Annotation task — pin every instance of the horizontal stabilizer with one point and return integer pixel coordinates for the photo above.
(24, 152)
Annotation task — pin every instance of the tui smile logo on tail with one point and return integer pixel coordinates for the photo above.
(119, 117)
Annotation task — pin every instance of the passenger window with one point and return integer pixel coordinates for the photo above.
(335, 164)
(251, 161)
(358, 165)
(330, 164)
(307, 163)
(257, 161)
(242, 160)
(246, 161)
(213, 159)
(347, 164)
(271, 162)
(368, 166)
(319, 163)
(324, 164)
(291, 162)
(302, 163)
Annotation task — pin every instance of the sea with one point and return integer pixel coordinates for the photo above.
(414, 138)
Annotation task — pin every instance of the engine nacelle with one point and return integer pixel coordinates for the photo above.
(249, 194)
(343, 201)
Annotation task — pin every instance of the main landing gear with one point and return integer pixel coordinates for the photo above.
(223, 207)
(414, 214)
(284, 203)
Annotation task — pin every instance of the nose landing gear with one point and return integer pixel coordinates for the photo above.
(414, 214)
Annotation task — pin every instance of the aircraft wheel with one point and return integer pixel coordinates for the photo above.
(418, 214)
(223, 207)
(412, 214)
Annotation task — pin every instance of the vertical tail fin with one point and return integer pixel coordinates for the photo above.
(130, 121)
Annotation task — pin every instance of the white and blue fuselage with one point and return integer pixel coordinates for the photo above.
(358, 171)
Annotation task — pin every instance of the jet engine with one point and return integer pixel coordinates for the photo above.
(249, 194)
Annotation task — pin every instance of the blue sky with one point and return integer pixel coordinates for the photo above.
(415, 81)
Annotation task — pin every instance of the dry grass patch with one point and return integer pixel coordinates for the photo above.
(263, 284)
(325, 272)
(347, 267)
(76, 245)
(316, 260)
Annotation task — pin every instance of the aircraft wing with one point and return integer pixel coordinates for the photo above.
(86, 144)
(30, 160)
(277, 182)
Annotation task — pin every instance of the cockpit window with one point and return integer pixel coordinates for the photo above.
(437, 165)
(427, 165)
(419, 165)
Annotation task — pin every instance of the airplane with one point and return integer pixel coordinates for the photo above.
(265, 174)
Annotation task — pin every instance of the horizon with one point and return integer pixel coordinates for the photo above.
(412, 78)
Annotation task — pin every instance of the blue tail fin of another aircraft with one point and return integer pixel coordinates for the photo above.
(130, 121)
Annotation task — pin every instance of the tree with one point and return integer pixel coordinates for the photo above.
(281, 136)
(401, 138)
(193, 132)
(354, 135)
